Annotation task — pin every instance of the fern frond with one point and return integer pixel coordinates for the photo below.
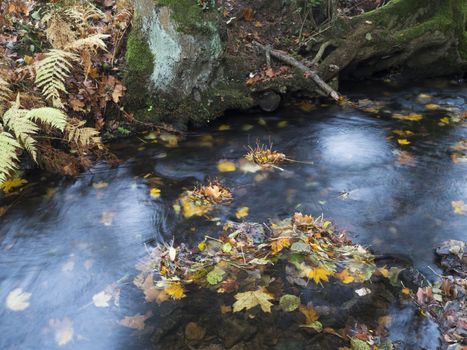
(15, 121)
(95, 41)
(5, 91)
(59, 31)
(53, 117)
(81, 14)
(83, 137)
(51, 73)
(8, 157)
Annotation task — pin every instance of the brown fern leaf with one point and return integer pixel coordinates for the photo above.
(82, 137)
(58, 32)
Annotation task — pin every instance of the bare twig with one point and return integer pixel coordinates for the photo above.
(329, 91)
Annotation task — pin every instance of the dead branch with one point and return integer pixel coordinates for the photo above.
(329, 91)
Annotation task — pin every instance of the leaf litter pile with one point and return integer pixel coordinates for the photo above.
(263, 269)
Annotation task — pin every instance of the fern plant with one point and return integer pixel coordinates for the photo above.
(18, 130)
(51, 73)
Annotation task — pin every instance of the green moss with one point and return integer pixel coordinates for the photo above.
(139, 58)
(188, 15)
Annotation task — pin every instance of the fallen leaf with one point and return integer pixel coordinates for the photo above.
(225, 166)
(362, 292)
(100, 185)
(102, 299)
(8, 185)
(223, 127)
(405, 291)
(403, 142)
(242, 212)
(289, 302)
(18, 300)
(249, 300)
(278, 244)
(155, 193)
(459, 207)
(248, 14)
(107, 218)
(344, 276)
(170, 140)
(135, 322)
(432, 106)
(151, 292)
(175, 290)
(410, 117)
(63, 330)
(318, 274)
(310, 313)
(117, 93)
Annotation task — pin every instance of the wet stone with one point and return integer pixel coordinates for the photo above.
(234, 331)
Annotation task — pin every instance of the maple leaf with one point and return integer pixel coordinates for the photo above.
(241, 212)
(318, 274)
(18, 300)
(344, 276)
(310, 313)
(175, 290)
(8, 185)
(278, 244)
(135, 322)
(249, 300)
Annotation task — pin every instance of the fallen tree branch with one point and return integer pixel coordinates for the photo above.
(329, 91)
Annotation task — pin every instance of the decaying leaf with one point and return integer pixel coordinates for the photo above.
(175, 290)
(135, 322)
(344, 276)
(102, 299)
(280, 243)
(241, 212)
(248, 300)
(289, 302)
(9, 185)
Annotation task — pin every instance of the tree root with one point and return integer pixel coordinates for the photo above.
(328, 91)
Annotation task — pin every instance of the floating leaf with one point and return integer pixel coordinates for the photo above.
(249, 300)
(18, 300)
(432, 107)
(225, 166)
(102, 299)
(310, 313)
(100, 185)
(215, 276)
(63, 330)
(403, 142)
(410, 117)
(363, 291)
(405, 291)
(223, 127)
(155, 193)
(289, 302)
(8, 185)
(459, 207)
(107, 218)
(242, 212)
(445, 120)
(170, 140)
(282, 124)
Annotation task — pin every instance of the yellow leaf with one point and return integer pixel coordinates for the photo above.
(155, 193)
(383, 271)
(444, 120)
(202, 246)
(8, 185)
(100, 185)
(459, 207)
(224, 127)
(282, 124)
(344, 276)
(278, 244)
(403, 133)
(249, 300)
(170, 140)
(191, 208)
(241, 212)
(432, 106)
(411, 117)
(319, 273)
(225, 166)
(403, 142)
(175, 290)
(405, 291)
(310, 314)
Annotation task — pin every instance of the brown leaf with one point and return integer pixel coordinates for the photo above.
(118, 92)
(135, 322)
(248, 14)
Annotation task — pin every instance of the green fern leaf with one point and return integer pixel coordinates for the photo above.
(50, 116)
(51, 73)
(8, 157)
(83, 137)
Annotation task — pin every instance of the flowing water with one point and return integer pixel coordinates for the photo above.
(65, 240)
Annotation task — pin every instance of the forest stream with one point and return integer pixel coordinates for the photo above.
(67, 240)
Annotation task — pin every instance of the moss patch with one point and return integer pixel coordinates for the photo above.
(188, 15)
